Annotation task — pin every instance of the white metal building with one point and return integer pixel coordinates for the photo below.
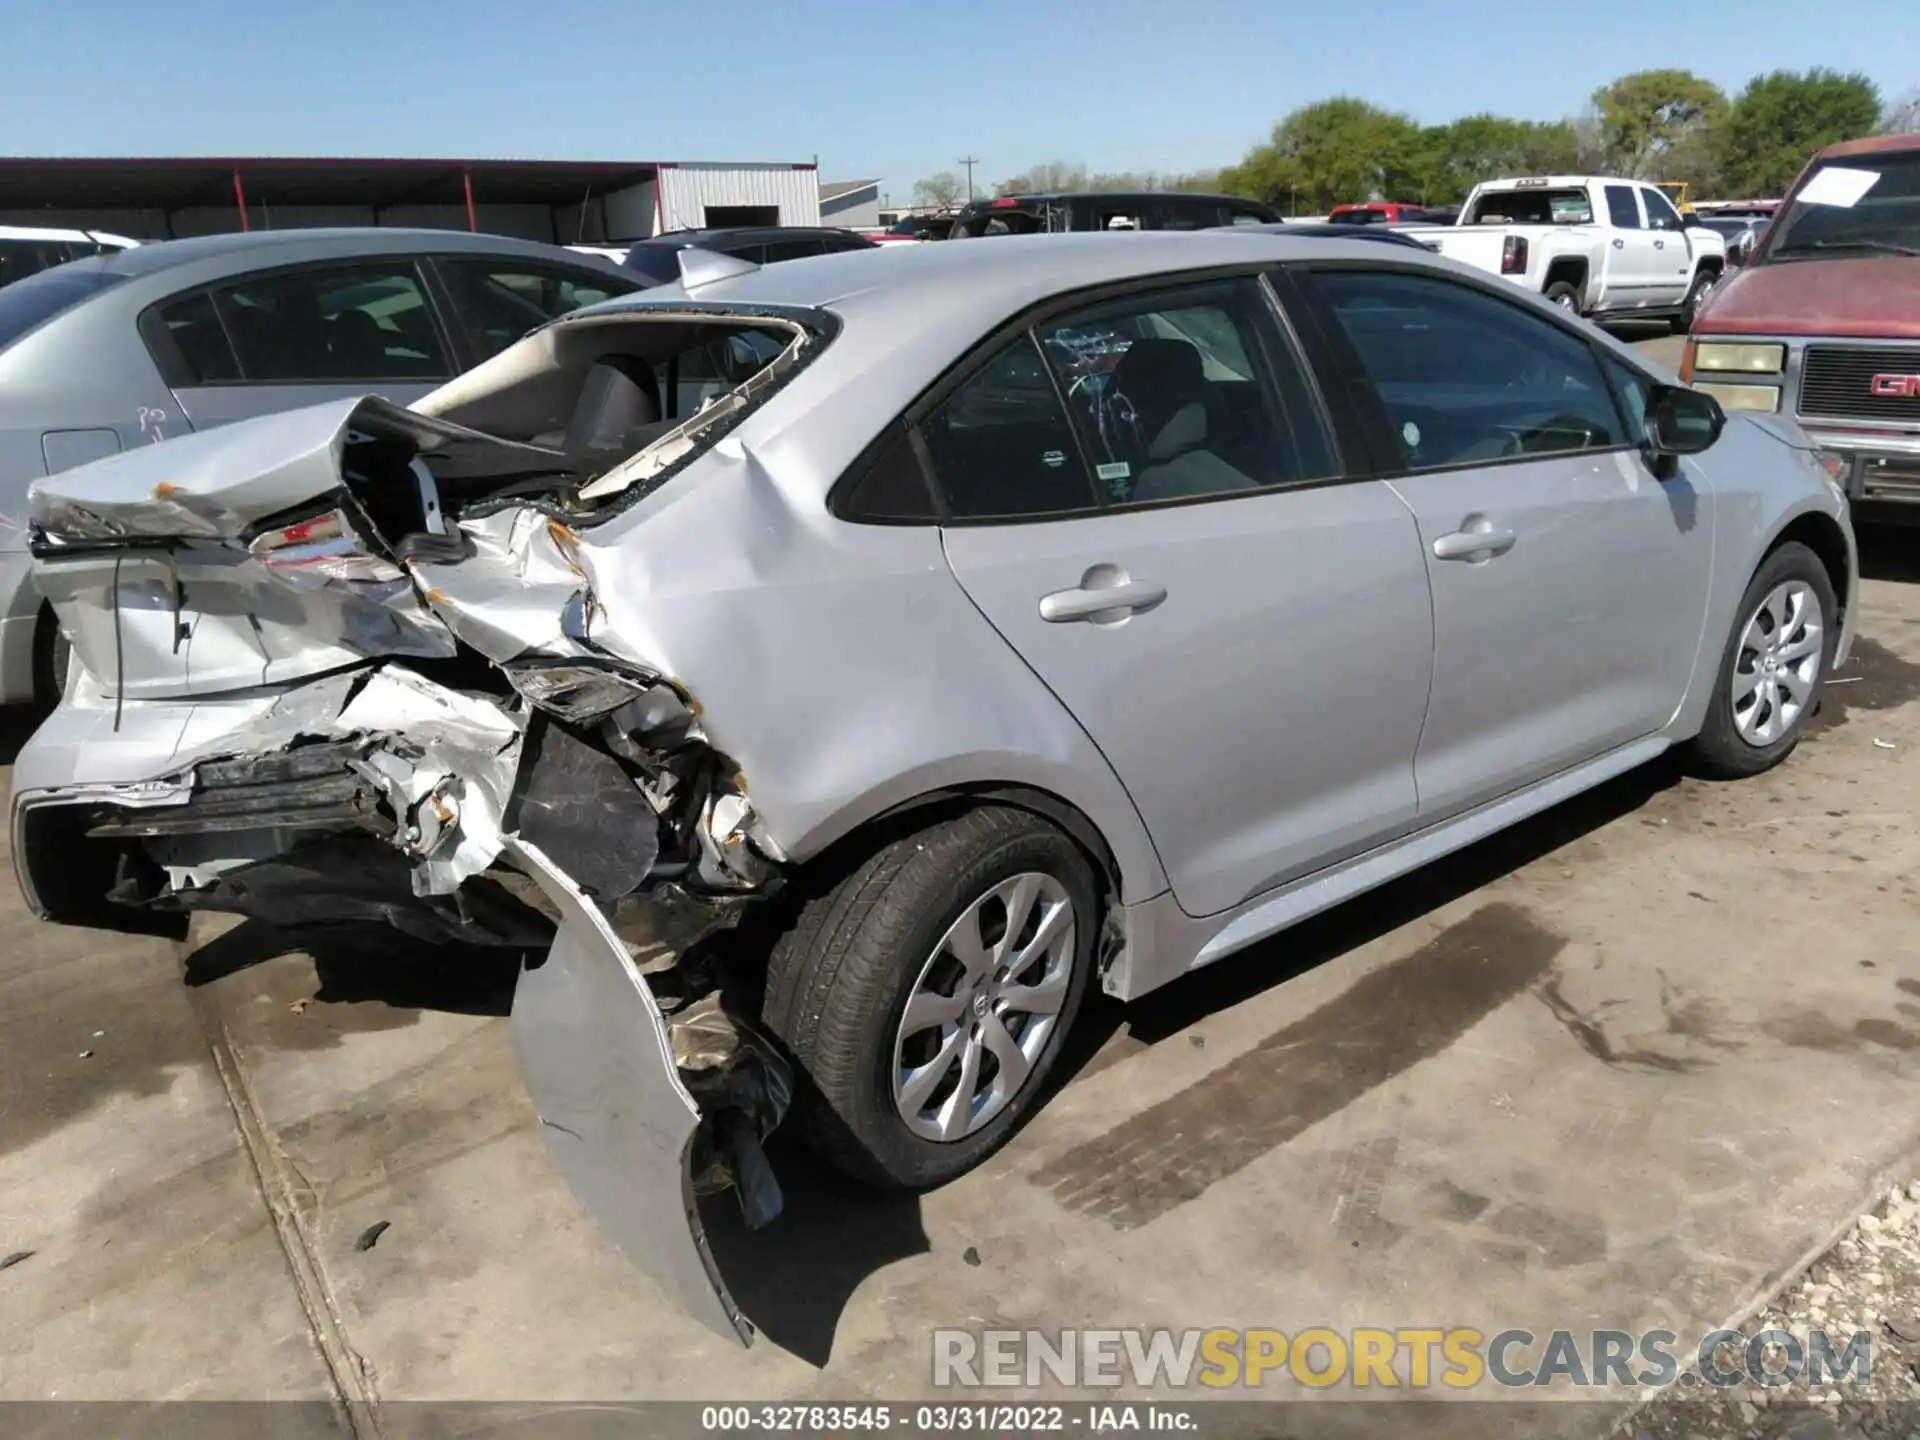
(566, 202)
(850, 204)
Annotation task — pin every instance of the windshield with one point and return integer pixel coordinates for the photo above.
(1357, 215)
(28, 304)
(1530, 207)
(1864, 206)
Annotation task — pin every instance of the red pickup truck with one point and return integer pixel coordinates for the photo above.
(1822, 322)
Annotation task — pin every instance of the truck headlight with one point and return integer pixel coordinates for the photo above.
(1739, 359)
(1763, 398)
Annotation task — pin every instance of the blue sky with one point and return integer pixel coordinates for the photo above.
(895, 90)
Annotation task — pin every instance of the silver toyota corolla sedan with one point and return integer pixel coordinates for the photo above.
(848, 663)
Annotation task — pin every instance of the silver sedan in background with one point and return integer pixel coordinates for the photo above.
(125, 348)
(908, 643)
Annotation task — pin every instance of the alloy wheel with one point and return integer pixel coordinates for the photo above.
(1777, 664)
(983, 1007)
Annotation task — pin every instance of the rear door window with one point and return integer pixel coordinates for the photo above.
(1622, 209)
(1187, 393)
(189, 343)
(331, 325)
(1002, 446)
(500, 301)
(1660, 212)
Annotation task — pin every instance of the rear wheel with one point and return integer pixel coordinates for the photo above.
(925, 995)
(1564, 294)
(1773, 668)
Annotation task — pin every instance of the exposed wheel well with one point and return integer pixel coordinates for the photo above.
(1710, 265)
(851, 849)
(1822, 535)
(1573, 271)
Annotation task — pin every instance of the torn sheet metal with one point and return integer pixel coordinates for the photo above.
(216, 483)
(514, 593)
(743, 1086)
(618, 1121)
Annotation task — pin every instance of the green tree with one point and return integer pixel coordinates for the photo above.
(1779, 121)
(942, 190)
(1643, 117)
(1329, 152)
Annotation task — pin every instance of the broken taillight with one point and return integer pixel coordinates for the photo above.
(325, 545)
(1513, 255)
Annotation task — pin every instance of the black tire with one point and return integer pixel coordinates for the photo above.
(1702, 287)
(1718, 751)
(840, 977)
(1565, 294)
(52, 656)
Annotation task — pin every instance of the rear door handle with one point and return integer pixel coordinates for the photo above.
(1473, 546)
(1659, 244)
(1619, 244)
(1106, 595)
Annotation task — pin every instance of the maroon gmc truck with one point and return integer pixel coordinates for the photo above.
(1822, 323)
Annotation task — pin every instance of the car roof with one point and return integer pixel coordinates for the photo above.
(1048, 197)
(969, 279)
(681, 239)
(260, 248)
(1872, 145)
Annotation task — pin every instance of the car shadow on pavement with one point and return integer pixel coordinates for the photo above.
(794, 1278)
(1096, 1039)
(360, 962)
(1889, 549)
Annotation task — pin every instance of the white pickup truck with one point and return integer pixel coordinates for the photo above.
(1604, 247)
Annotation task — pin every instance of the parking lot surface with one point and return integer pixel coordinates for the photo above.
(1627, 1065)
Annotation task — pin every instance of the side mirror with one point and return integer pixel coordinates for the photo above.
(1741, 250)
(1683, 422)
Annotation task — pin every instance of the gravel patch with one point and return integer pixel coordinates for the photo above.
(1868, 1282)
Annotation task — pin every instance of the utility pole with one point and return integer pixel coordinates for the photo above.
(970, 161)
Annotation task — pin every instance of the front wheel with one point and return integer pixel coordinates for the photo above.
(925, 995)
(1775, 663)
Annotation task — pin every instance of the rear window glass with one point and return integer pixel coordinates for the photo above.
(30, 303)
(1532, 207)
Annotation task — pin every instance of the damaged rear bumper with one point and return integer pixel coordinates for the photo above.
(381, 795)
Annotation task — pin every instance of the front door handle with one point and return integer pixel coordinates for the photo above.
(1473, 546)
(1659, 244)
(1106, 595)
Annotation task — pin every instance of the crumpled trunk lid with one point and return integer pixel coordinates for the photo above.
(258, 554)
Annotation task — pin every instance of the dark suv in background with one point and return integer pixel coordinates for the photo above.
(657, 260)
(1160, 210)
